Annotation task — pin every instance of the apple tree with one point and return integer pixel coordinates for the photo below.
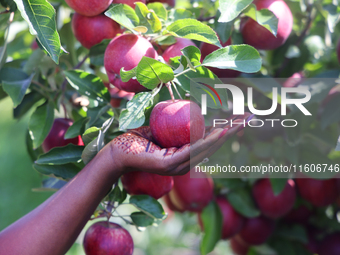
(88, 71)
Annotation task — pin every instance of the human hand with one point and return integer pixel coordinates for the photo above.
(137, 151)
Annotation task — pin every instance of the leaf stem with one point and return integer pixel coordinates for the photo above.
(10, 20)
(179, 95)
(185, 71)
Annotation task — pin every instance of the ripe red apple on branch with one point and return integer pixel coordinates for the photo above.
(191, 194)
(55, 138)
(107, 238)
(90, 31)
(261, 38)
(271, 205)
(174, 50)
(125, 51)
(89, 8)
(140, 183)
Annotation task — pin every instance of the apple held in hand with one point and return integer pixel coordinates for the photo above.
(107, 238)
(318, 192)
(90, 31)
(261, 38)
(271, 205)
(131, 3)
(232, 220)
(125, 51)
(256, 231)
(140, 183)
(174, 50)
(176, 123)
(89, 8)
(191, 194)
(207, 49)
(55, 138)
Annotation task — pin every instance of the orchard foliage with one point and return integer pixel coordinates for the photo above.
(48, 74)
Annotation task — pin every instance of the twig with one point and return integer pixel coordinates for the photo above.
(168, 85)
(4, 12)
(206, 18)
(299, 39)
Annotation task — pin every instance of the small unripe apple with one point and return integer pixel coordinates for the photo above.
(232, 220)
(330, 245)
(140, 183)
(318, 192)
(171, 3)
(107, 238)
(271, 205)
(89, 8)
(191, 194)
(207, 49)
(176, 123)
(131, 3)
(174, 50)
(55, 137)
(261, 38)
(256, 231)
(90, 31)
(239, 248)
(125, 51)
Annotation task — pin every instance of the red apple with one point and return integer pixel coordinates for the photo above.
(140, 183)
(55, 138)
(294, 81)
(171, 206)
(174, 50)
(125, 51)
(239, 248)
(90, 31)
(232, 220)
(256, 231)
(174, 124)
(299, 215)
(191, 194)
(107, 238)
(330, 245)
(318, 192)
(171, 3)
(261, 38)
(131, 3)
(207, 49)
(117, 95)
(89, 8)
(271, 205)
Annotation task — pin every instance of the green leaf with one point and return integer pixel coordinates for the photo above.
(116, 195)
(333, 16)
(124, 15)
(90, 151)
(61, 155)
(34, 61)
(278, 185)
(224, 30)
(148, 18)
(193, 29)
(9, 4)
(148, 205)
(178, 14)
(293, 232)
(243, 58)
(212, 223)
(41, 123)
(40, 16)
(88, 85)
(243, 203)
(192, 54)
(141, 219)
(264, 17)
(90, 134)
(151, 72)
(97, 52)
(16, 89)
(51, 184)
(159, 9)
(133, 116)
(27, 103)
(76, 129)
(230, 9)
(67, 171)
(127, 75)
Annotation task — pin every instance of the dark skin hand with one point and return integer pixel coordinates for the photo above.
(53, 226)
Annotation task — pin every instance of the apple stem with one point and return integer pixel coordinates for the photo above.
(168, 85)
